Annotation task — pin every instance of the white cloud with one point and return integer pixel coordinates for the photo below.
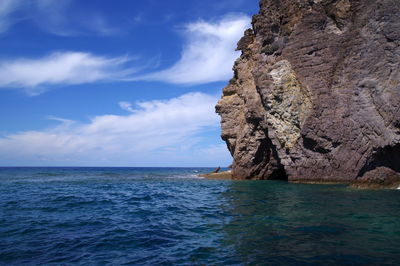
(167, 130)
(126, 106)
(60, 68)
(208, 56)
(209, 53)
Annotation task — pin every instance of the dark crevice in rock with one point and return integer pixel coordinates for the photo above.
(270, 49)
(228, 93)
(279, 174)
(263, 152)
(335, 144)
(313, 145)
(255, 121)
(312, 52)
(388, 39)
(275, 28)
(321, 25)
(267, 41)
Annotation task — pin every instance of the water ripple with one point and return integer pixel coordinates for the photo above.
(125, 216)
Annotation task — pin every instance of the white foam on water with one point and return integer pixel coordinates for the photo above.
(193, 176)
(185, 176)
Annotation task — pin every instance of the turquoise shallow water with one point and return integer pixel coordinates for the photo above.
(164, 216)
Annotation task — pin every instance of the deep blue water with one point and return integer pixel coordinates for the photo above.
(164, 216)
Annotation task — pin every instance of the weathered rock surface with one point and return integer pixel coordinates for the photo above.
(316, 92)
(381, 177)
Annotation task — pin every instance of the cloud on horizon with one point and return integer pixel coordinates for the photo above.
(208, 54)
(168, 130)
(35, 76)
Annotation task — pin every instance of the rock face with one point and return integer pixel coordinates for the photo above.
(381, 177)
(316, 92)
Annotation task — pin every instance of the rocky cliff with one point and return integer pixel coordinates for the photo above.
(316, 92)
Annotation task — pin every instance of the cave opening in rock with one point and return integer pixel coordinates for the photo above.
(388, 156)
(279, 174)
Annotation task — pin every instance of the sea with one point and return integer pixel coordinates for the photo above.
(170, 216)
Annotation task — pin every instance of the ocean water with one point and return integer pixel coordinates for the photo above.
(169, 216)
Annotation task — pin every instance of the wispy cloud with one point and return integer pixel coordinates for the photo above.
(7, 8)
(57, 17)
(150, 131)
(60, 18)
(60, 68)
(208, 54)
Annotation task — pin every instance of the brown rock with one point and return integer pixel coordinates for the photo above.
(380, 177)
(225, 175)
(316, 92)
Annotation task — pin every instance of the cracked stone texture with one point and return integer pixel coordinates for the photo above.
(316, 92)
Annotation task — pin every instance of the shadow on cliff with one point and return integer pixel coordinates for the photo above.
(388, 156)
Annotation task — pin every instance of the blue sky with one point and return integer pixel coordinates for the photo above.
(116, 83)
